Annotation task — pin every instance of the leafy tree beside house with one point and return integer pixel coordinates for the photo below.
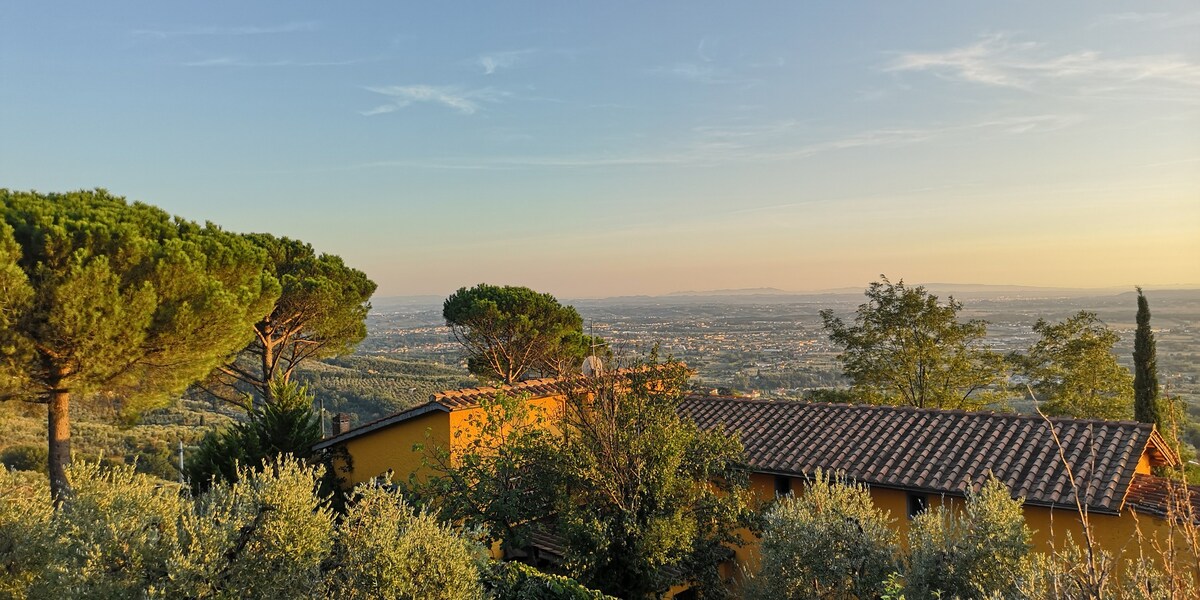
(906, 348)
(640, 494)
(1074, 372)
(637, 495)
(509, 331)
(980, 552)
(116, 298)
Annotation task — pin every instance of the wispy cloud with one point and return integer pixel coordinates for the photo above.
(227, 61)
(466, 102)
(998, 60)
(494, 61)
(236, 30)
(771, 142)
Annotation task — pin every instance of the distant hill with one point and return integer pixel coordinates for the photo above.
(770, 295)
(961, 291)
(768, 291)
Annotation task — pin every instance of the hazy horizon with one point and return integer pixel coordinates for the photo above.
(615, 149)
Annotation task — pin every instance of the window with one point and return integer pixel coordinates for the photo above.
(783, 486)
(917, 503)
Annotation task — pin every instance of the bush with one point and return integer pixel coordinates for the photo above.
(831, 542)
(518, 581)
(113, 537)
(25, 513)
(386, 550)
(269, 535)
(976, 554)
(26, 458)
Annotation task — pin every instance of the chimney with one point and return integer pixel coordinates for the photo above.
(341, 423)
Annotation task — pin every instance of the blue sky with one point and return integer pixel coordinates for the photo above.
(620, 148)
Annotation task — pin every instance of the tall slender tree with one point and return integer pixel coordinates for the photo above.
(1145, 367)
(102, 296)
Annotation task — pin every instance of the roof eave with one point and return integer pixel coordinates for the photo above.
(401, 417)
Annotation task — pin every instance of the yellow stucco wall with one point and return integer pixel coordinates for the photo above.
(465, 424)
(374, 453)
(1121, 535)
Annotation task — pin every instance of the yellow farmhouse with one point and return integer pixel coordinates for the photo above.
(910, 458)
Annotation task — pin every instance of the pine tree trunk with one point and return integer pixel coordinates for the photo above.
(59, 414)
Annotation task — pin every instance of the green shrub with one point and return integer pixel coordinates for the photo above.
(386, 550)
(25, 513)
(518, 581)
(829, 543)
(973, 554)
(269, 535)
(25, 458)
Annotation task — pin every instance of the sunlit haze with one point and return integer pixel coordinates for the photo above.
(612, 148)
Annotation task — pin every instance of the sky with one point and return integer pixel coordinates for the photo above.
(615, 148)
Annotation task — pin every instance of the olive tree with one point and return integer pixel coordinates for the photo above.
(979, 552)
(120, 299)
(830, 542)
(269, 535)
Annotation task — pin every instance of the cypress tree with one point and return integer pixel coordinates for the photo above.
(1145, 368)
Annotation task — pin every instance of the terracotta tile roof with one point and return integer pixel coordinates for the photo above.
(1155, 495)
(464, 398)
(936, 451)
(470, 397)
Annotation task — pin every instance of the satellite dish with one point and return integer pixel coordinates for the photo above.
(592, 365)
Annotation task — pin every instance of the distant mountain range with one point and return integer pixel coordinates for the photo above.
(770, 295)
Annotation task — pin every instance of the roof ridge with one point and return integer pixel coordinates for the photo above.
(906, 408)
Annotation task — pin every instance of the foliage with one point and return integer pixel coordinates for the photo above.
(24, 458)
(386, 550)
(121, 529)
(975, 554)
(518, 581)
(373, 386)
(832, 395)
(905, 348)
(1070, 572)
(1145, 368)
(829, 542)
(638, 496)
(320, 312)
(509, 331)
(642, 496)
(269, 535)
(1074, 371)
(285, 426)
(490, 482)
(25, 514)
(118, 298)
